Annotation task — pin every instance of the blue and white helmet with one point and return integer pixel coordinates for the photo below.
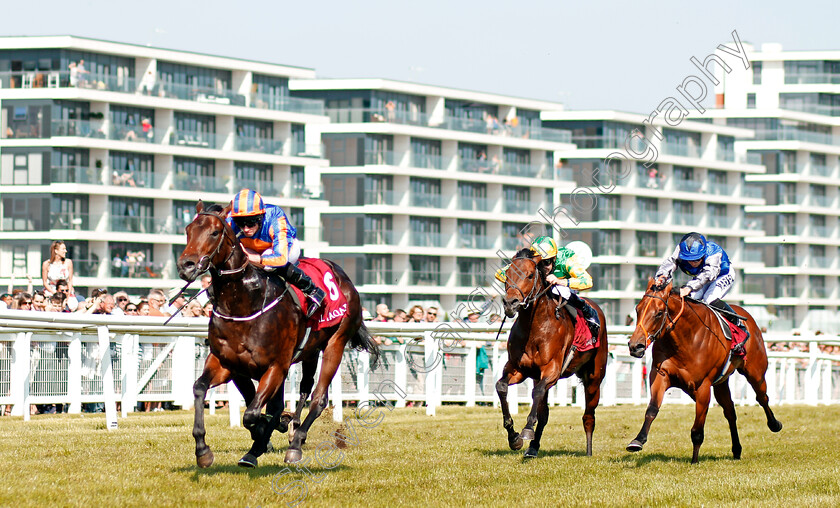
(693, 247)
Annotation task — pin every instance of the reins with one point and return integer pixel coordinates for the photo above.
(649, 338)
(531, 298)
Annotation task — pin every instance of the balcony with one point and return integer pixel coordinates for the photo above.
(521, 207)
(75, 174)
(818, 292)
(725, 155)
(610, 249)
(425, 161)
(193, 139)
(473, 204)
(752, 191)
(286, 103)
(687, 219)
(206, 95)
(812, 79)
(817, 109)
(473, 280)
(820, 170)
(752, 255)
(132, 134)
(496, 167)
(265, 188)
(526, 170)
(721, 221)
(379, 237)
(476, 242)
(425, 278)
(258, 145)
(794, 135)
(425, 200)
(512, 243)
(613, 284)
(134, 224)
(61, 79)
(686, 185)
(72, 221)
(751, 286)
(422, 239)
(680, 150)
(651, 216)
(819, 261)
(136, 179)
(75, 128)
(721, 189)
(820, 201)
(612, 214)
(594, 142)
(647, 251)
(380, 197)
(86, 267)
(379, 157)
(198, 183)
(820, 231)
(380, 277)
(136, 267)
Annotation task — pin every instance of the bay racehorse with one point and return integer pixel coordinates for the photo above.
(253, 334)
(540, 347)
(690, 352)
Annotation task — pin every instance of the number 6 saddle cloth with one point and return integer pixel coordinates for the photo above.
(334, 307)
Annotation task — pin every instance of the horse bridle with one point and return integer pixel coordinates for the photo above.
(649, 338)
(209, 258)
(531, 298)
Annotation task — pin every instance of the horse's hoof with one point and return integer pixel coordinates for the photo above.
(269, 448)
(634, 446)
(293, 456)
(775, 427)
(248, 461)
(283, 427)
(527, 434)
(517, 443)
(531, 453)
(206, 460)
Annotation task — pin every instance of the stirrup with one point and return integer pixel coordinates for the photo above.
(316, 298)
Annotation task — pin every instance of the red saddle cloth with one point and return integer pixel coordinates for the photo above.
(334, 307)
(738, 336)
(583, 340)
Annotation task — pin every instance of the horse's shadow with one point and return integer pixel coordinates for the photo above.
(635, 460)
(262, 471)
(543, 453)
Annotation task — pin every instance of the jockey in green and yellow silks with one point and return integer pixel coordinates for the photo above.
(568, 274)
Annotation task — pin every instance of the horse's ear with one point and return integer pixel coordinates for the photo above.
(199, 207)
(669, 286)
(650, 284)
(227, 210)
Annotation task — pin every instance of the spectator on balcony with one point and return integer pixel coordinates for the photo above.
(382, 312)
(58, 267)
(432, 314)
(415, 314)
(6, 301)
(148, 131)
(495, 165)
(82, 74)
(22, 301)
(56, 303)
(131, 309)
(121, 298)
(39, 301)
(400, 316)
(157, 303)
(390, 111)
(70, 301)
(74, 74)
(653, 178)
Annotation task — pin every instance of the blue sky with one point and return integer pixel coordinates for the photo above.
(589, 55)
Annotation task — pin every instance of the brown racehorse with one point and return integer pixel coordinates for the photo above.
(540, 347)
(690, 352)
(253, 333)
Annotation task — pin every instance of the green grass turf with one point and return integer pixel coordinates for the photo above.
(457, 458)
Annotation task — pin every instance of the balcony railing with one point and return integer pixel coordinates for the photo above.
(379, 157)
(680, 150)
(421, 239)
(819, 231)
(133, 224)
(612, 214)
(136, 179)
(473, 203)
(687, 219)
(725, 155)
(476, 242)
(286, 103)
(818, 292)
(424, 278)
(651, 216)
(721, 189)
(193, 139)
(187, 182)
(811, 78)
(523, 207)
(137, 269)
(817, 109)
(133, 134)
(425, 200)
(821, 170)
(721, 221)
(382, 277)
(794, 135)
(610, 249)
(380, 197)
(820, 201)
(207, 95)
(61, 79)
(753, 255)
(77, 128)
(682, 184)
(526, 170)
(263, 187)
(421, 160)
(613, 284)
(75, 174)
(70, 221)
(86, 267)
(819, 261)
(258, 145)
(473, 280)
(752, 191)
(379, 237)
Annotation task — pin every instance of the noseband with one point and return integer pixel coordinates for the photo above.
(649, 338)
(531, 298)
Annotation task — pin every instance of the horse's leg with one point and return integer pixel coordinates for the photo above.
(755, 371)
(307, 381)
(509, 376)
(329, 365)
(214, 374)
(534, 447)
(702, 396)
(592, 394)
(537, 394)
(724, 398)
(658, 386)
(260, 427)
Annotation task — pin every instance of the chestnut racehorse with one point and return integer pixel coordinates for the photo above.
(253, 334)
(690, 353)
(540, 347)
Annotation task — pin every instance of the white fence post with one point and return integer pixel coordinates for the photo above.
(19, 386)
(433, 360)
(401, 373)
(128, 365)
(812, 379)
(74, 374)
(637, 381)
(826, 382)
(610, 382)
(790, 381)
(234, 402)
(336, 395)
(772, 380)
(469, 374)
(107, 377)
(363, 376)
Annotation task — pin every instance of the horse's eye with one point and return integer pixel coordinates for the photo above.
(658, 314)
(215, 233)
(530, 275)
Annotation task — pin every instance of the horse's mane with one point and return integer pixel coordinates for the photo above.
(524, 252)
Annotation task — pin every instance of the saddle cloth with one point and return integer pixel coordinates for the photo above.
(583, 340)
(334, 307)
(732, 332)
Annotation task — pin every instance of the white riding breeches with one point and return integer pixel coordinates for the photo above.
(294, 251)
(562, 291)
(716, 289)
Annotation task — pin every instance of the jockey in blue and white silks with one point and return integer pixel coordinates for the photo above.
(271, 240)
(703, 259)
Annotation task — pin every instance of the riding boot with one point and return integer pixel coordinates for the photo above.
(589, 314)
(316, 295)
(740, 323)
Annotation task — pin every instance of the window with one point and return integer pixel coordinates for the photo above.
(425, 270)
(379, 149)
(259, 177)
(197, 175)
(426, 153)
(379, 230)
(298, 139)
(132, 170)
(648, 210)
(134, 260)
(194, 83)
(756, 72)
(472, 196)
(512, 239)
(379, 190)
(425, 192)
(517, 199)
(608, 208)
(183, 213)
(717, 215)
(684, 213)
(270, 92)
(127, 124)
(473, 158)
(378, 269)
(472, 272)
(609, 243)
(256, 136)
(750, 101)
(425, 232)
(194, 130)
(71, 165)
(68, 211)
(132, 215)
(473, 234)
(647, 243)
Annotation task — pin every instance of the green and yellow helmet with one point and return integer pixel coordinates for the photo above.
(544, 246)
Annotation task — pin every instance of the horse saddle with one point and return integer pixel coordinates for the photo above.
(561, 304)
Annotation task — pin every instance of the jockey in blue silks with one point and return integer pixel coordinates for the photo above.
(271, 240)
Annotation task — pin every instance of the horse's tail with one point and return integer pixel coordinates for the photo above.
(362, 340)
